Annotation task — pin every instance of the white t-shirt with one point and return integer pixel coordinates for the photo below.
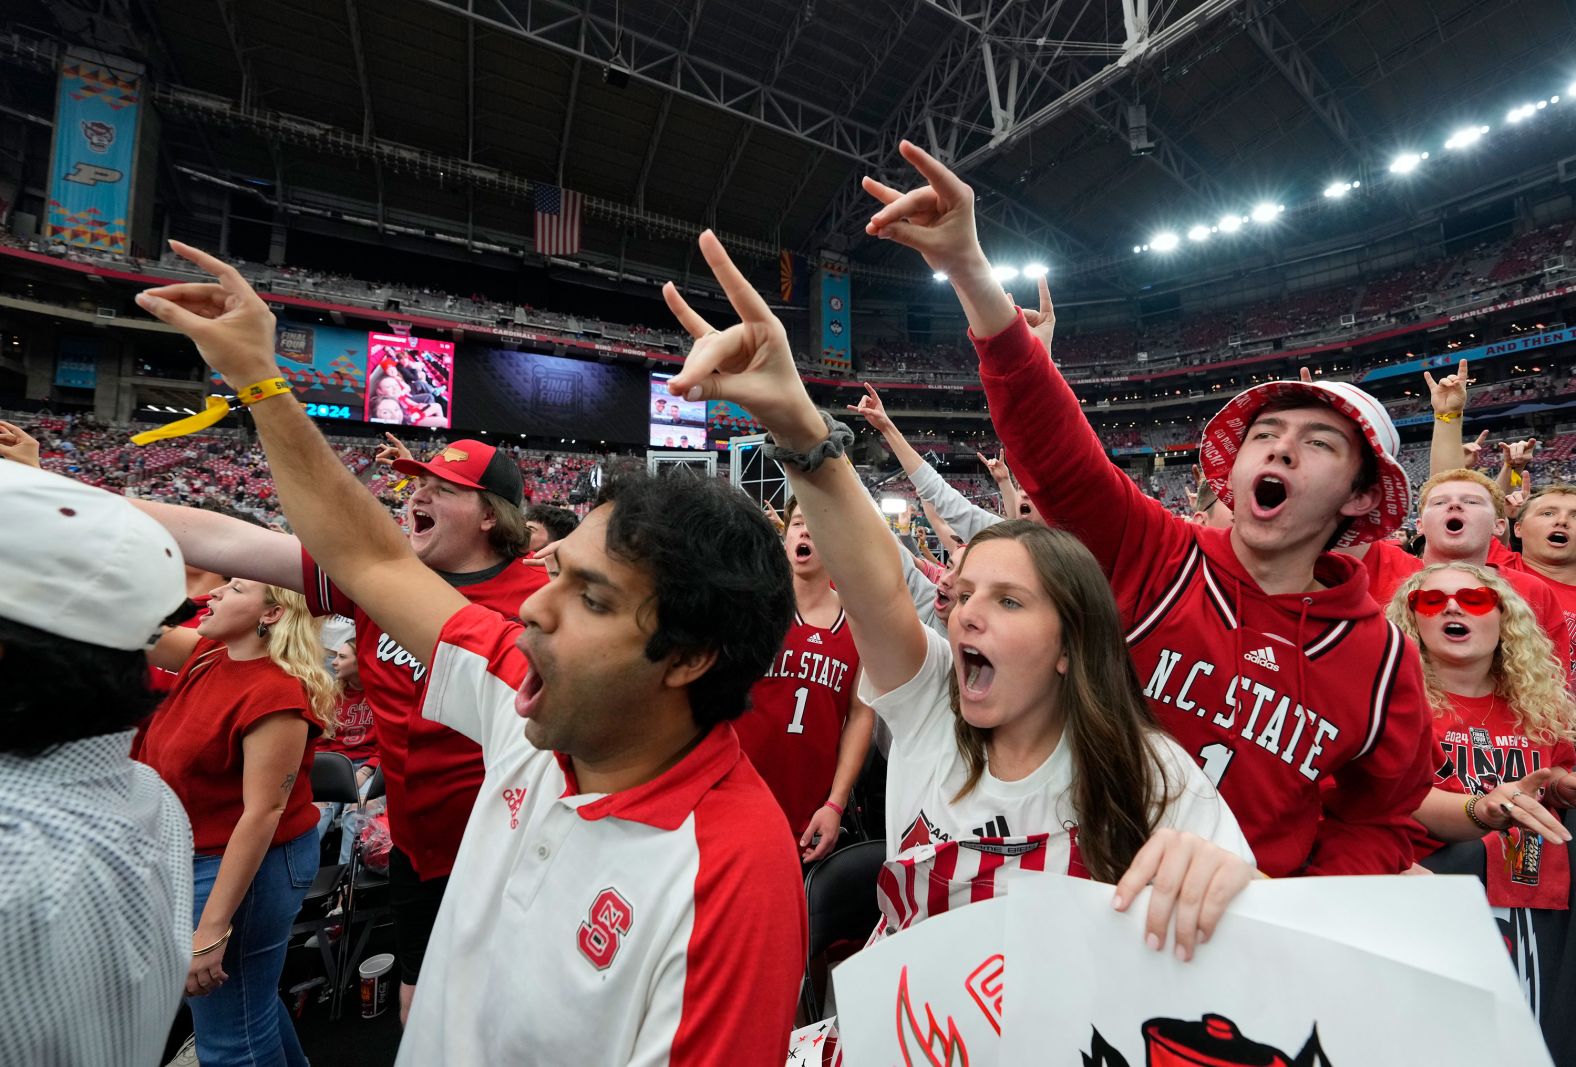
(925, 771)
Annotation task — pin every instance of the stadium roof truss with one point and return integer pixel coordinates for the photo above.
(757, 117)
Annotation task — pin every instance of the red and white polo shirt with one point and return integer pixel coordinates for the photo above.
(663, 924)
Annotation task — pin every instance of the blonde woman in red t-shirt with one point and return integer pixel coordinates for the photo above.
(1502, 716)
(233, 742)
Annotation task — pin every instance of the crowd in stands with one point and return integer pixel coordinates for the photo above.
(222, 468)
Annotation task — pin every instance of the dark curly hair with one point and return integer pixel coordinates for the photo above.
(720, 577)
(54, 690)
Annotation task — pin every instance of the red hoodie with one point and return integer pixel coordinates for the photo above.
(1273, 695)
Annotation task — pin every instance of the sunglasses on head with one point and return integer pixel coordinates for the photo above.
(1478, 601)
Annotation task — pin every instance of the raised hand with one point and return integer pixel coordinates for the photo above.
(996, 467)
(1473, 450)
(1517, 455)
(873, 410)
(231, 326)
(1042, 323)
(1449, 394)
(748, 363)
(17, 445)
(391, 449)
(936, 219)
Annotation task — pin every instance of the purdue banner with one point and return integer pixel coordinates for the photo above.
(90, 172)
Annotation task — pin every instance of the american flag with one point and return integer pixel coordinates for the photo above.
(557, 221)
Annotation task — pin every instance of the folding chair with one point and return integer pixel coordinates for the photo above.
(352, 943)
(840, 896)
(333, 782)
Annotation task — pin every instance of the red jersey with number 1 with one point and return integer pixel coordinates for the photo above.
(430, 772)
(795, 721)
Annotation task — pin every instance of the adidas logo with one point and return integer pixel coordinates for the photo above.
(815, 639)
(1264, 657)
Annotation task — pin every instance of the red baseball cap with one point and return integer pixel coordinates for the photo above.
(475, 465)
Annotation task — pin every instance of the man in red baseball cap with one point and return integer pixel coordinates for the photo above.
(464, 521)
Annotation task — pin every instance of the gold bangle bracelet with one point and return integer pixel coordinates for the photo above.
(1471, 810)
(216, 944)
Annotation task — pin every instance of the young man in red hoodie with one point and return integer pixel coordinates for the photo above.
(1261, 650)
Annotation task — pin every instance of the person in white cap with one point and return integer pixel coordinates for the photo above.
(1260, 649)
(95, 850)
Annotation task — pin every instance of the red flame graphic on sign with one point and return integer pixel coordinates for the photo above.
(939, 1048)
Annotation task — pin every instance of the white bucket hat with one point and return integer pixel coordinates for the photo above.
(1224, 434)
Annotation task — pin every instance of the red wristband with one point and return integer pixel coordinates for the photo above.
(835, 807)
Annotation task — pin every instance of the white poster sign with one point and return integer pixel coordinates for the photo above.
(931, 995)
(1326, 972)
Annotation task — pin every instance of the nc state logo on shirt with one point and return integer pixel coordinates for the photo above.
(601, 935)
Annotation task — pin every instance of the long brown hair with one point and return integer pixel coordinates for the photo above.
(1119, 785)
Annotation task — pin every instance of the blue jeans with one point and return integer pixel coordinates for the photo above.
(244, 1023)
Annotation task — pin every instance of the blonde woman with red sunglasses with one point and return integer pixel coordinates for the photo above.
(1502, 716)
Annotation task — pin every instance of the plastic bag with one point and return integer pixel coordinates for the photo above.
(371, 831)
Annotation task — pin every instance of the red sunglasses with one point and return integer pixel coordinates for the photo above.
(1478, 601)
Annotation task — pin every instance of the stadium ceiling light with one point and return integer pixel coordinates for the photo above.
(1137, 249)
(1337, 190)
(1004, 274)
(940, 276)
(1164, 242)
(1230, 223)
(1198, 233)
(1406, 162)
(1466, 137)
(1516, 114)
(1266, 212)
(1036, 270)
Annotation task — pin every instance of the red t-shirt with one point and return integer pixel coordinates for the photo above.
(430, 772)
(1389, 565)
(1482, 745)
(1508, 563)
(795, 721)
(161, 680)
(354, 736)
(194, 741)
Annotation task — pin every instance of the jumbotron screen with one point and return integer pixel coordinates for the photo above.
(410, 380)
(674, 421)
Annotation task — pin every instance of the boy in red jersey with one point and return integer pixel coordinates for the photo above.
(1263, 653)
(807, 732)
(464, 522)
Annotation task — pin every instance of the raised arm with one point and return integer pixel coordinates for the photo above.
(1035, 413)
(1448, 396)
(752, 365)
(345, 529)
(968, 519)
(229, 546)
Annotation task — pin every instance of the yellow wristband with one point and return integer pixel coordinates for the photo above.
(262, 390)
(1448, 416)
